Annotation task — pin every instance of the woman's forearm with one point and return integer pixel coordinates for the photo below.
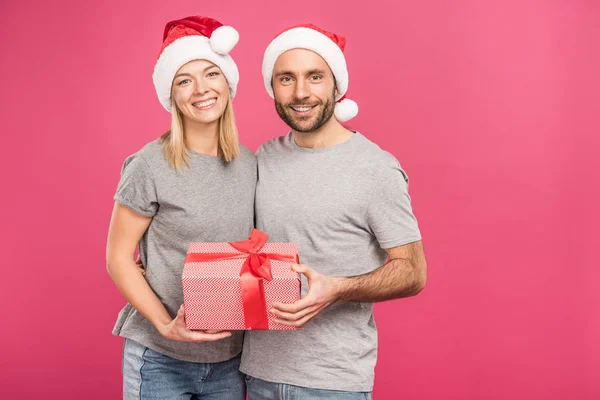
(132, 284)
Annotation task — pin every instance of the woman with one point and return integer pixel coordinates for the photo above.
(195, 183)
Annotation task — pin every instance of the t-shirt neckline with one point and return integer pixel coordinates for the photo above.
(338, 146)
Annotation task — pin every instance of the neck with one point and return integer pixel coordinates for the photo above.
(330, 134)
(202, 138)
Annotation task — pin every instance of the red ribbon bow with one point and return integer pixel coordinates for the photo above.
(256, 268)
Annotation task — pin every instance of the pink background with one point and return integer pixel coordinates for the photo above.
(491, 107)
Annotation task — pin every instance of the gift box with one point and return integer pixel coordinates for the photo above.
(231, 286)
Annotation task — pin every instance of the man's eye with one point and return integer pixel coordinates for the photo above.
(316, 77)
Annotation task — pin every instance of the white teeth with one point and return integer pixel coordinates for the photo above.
(205, 103)
(301, 109)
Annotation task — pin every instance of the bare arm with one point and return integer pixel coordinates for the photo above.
(126, 229)
(403, 275)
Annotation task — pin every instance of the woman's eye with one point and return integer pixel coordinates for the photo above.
(213, 74)
(183, 82)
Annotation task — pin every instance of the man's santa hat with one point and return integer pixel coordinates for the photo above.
(326, 44)
(194, 38)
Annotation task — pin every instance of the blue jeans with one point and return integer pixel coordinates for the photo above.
(148, 375)
(263, 390)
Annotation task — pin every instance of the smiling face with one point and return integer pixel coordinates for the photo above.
(304, 90)
(200, 92)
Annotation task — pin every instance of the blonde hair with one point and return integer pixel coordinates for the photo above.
(173, 141)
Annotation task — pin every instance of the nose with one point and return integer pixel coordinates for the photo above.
(301, 91)
(201, 87)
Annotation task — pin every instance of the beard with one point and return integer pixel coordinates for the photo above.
(310, 123)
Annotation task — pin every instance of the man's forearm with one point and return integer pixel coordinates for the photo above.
(397, 278)
(404, 275)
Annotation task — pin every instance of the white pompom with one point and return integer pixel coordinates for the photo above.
(345, 110)
(223, 39)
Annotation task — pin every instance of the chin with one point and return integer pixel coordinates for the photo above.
(304, 125)
(205, 119)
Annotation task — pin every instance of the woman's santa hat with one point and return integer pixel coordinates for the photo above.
(194, 38)
(326, 44)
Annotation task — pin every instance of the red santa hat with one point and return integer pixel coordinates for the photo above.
(194, 38)
(326, 44)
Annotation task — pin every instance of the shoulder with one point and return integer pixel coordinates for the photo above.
(152, 153)
(145, 157)
(245, 159)
(377, 156)
(381, 162)
(273, 146)
(246, 153)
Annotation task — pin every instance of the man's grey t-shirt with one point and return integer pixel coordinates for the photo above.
(343, 205)
(211, 201)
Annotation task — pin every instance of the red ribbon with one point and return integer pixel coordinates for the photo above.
(256, 268)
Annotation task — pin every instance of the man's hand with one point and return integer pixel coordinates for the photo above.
(322, 291)
(176, 330)
(140, 266)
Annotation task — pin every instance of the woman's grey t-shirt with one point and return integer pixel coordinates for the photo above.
(211, 201)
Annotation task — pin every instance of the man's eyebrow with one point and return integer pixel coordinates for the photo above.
(280, 73)
(316, 71)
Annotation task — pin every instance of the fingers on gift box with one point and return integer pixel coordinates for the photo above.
(231, 286)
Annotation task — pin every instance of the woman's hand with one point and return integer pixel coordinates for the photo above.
(176, 330)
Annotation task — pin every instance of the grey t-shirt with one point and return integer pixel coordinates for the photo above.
(211, 201)
(343, 205)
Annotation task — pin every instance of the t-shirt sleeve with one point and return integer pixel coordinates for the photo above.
(389, 213)
(137, 188)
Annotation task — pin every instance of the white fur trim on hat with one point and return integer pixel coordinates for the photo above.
(182, 51)
(223, 39)
(345, 110)
(309, 39)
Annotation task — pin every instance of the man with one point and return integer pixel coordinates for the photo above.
(344, 201)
